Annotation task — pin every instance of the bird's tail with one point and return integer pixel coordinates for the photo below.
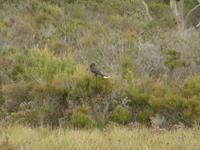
(106, 77)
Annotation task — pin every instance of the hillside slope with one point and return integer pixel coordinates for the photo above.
(46, 48)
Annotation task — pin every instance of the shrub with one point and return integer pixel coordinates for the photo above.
(192, 111)
(43, 79)
(4, 29)
(46, 46)
(138, 99)
(162, 15)
(120, 115)
(173, 59)
(127, 70)
(192, 94)
(46, 13)
(15, 94)
(87, 85)
(192, 86)
(176, 108)
(143, 116)
(82, 119)
(40, 65)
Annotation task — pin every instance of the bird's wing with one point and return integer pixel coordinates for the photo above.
(96, 71)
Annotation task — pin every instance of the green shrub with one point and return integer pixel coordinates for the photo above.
(127, 70)
(176, 108)
(1, 98)
(162, 16)
(143, 116)
(192, 86)
(138, 99)
(42, 78)
(82, 119)
(120, 115)
(192, 111)
(46, 13)
(173, 60)
(4, 29)
(15, 94)
(45, 51)
(83, 110)
(40, 65)
(174, 103)
(192, 94)
(87, 85)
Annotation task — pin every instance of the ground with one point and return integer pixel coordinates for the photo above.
(111, 138)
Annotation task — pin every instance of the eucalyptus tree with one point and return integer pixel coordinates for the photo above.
(191, 19)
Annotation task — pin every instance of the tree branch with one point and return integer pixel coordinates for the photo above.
(190, 12)
(147, 10)
(198, 25)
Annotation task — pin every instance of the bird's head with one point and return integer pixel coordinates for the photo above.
(92, 65)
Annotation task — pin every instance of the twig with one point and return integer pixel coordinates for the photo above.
(147, 10)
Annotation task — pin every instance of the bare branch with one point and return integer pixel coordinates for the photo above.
(177, 10)
(188, 16)
(198, 25)
(173, 7)
(147, 10)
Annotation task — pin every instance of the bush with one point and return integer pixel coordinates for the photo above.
(88, 86)
(192, 94)
(176, 108)
(138, 99)
(162, 15)
(39, 64)
(192, 111)
(120, 115)
(127, 70)
(41, 78)
(15, 94)
(82, 119)
(192, 86)
(173, 60)
(143, 116)
(46, 47)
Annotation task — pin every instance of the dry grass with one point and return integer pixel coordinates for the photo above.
(26, 138)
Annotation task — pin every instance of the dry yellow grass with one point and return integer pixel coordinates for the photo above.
(26, 138)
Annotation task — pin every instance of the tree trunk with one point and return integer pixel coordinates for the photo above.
(173, 7)
(178, 12)
(147, 10)
(190, 18)
(181, 14)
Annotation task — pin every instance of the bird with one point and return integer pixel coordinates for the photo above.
(97, 72)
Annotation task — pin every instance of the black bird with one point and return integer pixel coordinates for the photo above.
(96, 71)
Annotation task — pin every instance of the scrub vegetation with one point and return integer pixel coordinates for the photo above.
(46, 47)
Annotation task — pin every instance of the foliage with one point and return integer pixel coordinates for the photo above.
(46, 48)
(120, 115)
(173, 60)
(163, 17)
(82, 119)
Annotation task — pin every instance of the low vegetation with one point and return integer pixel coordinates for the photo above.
(112, 138)
(46, 48)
